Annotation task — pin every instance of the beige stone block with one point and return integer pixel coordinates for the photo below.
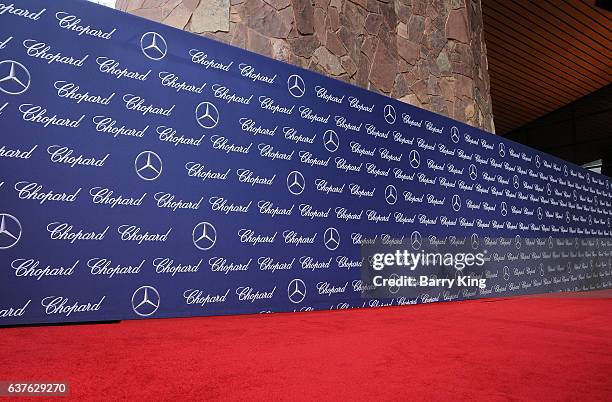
(211, 16)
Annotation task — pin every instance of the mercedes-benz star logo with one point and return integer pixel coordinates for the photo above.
(207, 115)
(394, 289)
(153, 46)
(148, 165)
(473, 172)
(475, 241)
(15, 77)
(296, 86)
(331, 141)
(389, 113)
(204, 236)
(145, 301)
(10, 231)
(415, 159)
(391, 194)
(416, 240)
(296, 290)
(455, 134)
(296, 183)
(456, 203)
(331, 238)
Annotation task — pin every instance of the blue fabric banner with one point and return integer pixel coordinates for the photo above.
(149, 172)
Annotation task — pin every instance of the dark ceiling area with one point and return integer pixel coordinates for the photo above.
(544, 55)
(580, 132)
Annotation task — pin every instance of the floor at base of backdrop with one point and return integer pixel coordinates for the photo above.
(529, 348)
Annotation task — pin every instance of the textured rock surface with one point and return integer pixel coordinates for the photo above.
(429, 53)
(211, 16)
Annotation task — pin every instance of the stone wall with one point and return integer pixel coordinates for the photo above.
(429, 53)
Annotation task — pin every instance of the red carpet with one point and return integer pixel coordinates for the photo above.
(544, 348)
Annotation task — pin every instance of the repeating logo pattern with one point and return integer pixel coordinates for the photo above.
(219, 179)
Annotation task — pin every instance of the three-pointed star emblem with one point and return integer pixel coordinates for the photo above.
(456, 203)
(296, 86)
(391, 194)
(389, 113)
(153, 45)
(296, 291)
(145, 301)
(296, 183)
(416, 240)
(414, 158)
(331, 238)
(10, 231)
(207, 115)
(148, 165)
(204, 236)
(331, 141)
(454, 134)
(14, 77)
(473, 172)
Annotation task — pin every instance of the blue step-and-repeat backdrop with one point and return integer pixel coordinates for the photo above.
(149, 172)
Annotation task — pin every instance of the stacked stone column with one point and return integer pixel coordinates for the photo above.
(429, 53)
